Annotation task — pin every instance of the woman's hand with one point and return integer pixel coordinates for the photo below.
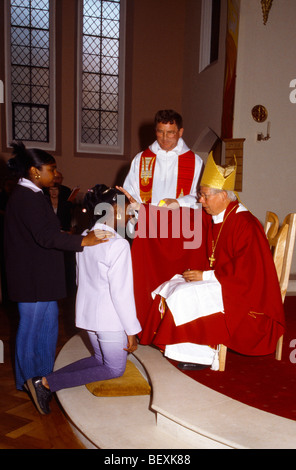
(103, 234)
(132, 343)
(191, 275)
(95, 237)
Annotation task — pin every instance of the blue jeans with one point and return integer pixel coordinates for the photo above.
(107, 362)
(36, 340)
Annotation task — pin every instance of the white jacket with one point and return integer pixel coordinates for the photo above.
(105, 296)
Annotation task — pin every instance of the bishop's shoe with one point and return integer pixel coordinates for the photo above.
(192, 366)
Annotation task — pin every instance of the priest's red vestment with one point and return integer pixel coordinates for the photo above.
(157, 256)
(253, 317)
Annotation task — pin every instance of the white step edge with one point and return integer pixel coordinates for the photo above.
(180, 413)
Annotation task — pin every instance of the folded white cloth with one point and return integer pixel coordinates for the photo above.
(189, 352)
(190, 300)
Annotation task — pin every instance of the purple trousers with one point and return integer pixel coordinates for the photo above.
(107, 362)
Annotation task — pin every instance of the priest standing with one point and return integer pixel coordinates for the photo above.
(168, 170)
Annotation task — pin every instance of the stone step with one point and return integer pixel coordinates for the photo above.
(180, 413)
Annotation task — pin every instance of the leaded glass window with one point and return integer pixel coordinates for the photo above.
(101, 76)
(30, 69)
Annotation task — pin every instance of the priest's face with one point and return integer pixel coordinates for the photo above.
(167, 135)
(213, 202)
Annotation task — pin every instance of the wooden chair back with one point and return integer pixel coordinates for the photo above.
(281, 241)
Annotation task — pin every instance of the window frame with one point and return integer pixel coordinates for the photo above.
(209, 43)
(51, 144)
(101, 149)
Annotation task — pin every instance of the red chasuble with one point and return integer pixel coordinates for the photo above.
(253, 317)
(158, 256)
(186, 167)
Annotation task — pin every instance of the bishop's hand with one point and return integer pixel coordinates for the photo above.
(191, 275)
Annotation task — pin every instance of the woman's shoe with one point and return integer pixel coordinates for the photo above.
(40, 395)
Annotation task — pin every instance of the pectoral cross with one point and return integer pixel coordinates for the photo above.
(212, 260)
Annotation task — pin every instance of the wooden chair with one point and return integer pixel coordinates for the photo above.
(281, 241)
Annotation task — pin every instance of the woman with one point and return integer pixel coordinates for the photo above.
(105, 305)
(34, 257)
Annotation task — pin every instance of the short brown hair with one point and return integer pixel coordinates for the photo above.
(168, 116)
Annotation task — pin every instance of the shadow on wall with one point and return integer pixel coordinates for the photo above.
(206, 142)
(121, 174)
(146, 137)
(146, 134)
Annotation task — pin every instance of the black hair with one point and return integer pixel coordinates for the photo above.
(100, 193)
(168, 116)
(25, 158)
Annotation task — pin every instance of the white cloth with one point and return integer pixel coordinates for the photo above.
(105, 296)
(29, 184)
(165, 175)
(218, 219)
(190, 352)
(188, 301)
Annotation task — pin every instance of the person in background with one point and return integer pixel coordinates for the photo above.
(58, 195)
(62, 208)
(105, 304)
(64, 191)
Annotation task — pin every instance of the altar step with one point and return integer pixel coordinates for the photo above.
(180, 413)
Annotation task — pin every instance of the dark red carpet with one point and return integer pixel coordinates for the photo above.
(261, 382)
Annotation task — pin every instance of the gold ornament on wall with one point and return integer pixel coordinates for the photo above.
(259, 113)
(266, 6)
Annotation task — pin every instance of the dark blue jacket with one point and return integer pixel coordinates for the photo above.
(34, 245)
